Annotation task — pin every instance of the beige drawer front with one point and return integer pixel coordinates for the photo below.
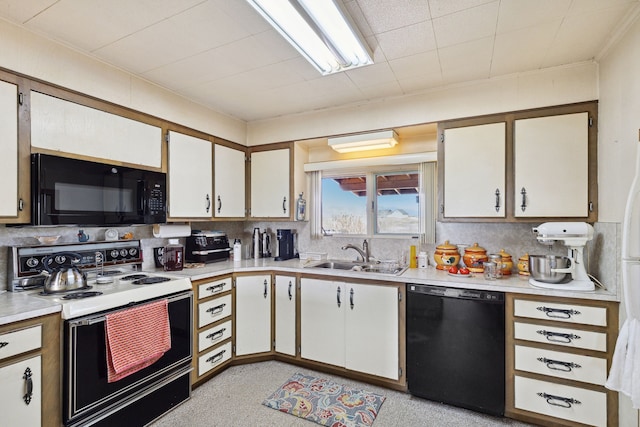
(214, 310)
(214, 335)
(570, 313)
(561, 336)
(20, 341)
(561, 401)
(213, 288)
(561, 365)
(214, 358)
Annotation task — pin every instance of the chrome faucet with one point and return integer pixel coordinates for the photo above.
(364, 252)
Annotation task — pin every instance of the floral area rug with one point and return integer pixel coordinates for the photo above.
(325, 402)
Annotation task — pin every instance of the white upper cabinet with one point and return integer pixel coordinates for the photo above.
(9, 144)
(64, 126)
(270, 184)
(229, 181)
(552, 166)
(190, 179)
(474, 171)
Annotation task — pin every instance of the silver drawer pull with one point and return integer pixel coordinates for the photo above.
(216, 357)
(563, 402)
(559, 337)
(3, 344)
(216, 335)
(216, 288)
(28, 385)
(216, 310)
(558, 313)
(558, 365)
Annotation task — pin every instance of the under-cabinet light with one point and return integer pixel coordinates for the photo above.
(320, 30)
(365, 141)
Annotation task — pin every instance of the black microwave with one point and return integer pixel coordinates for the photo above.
(77, 192)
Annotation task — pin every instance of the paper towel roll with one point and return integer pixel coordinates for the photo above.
(171, 230)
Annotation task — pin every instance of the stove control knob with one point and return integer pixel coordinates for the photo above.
(123, 253)
(59, 259)
(32, 262)
(114, 253)
(133, 252)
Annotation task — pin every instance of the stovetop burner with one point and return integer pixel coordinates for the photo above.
(58, 293)
(134, 276)
(150, 280)
(79, 295)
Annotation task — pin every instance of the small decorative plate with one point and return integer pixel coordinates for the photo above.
(111, 234)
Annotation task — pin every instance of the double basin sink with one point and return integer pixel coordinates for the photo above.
(365, 267)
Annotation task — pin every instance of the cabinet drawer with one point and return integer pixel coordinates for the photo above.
(562, 365)
(213, 288)
(561, 336)
(561, 401)
(20, 341)
(214, 358)
(214, 335)
(13, 385)
(570, 313)
(214, 310)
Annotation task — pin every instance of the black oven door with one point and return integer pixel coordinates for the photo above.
(69, 191)
(86, 390)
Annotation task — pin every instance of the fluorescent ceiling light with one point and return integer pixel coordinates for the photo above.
(363, 142)
(320, 30)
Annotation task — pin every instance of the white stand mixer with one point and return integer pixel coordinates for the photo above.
(575, 235)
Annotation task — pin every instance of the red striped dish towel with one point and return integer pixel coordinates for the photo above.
(136, 338)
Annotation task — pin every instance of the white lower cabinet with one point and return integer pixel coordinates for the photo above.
(350, 325)
(253, 314)
(285, 314)
(21, 393)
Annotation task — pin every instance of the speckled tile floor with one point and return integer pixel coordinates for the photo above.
(234, 398)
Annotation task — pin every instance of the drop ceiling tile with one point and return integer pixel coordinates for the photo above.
(384, 90)
(467, 25)
(421, 64)
(354, 11)
(407, 40)
(418, 84)
(440, 8)
(20, 11)
(370, 75)
(582, 6)
(387, 15)
(518, 14)
(243, 14)
(467, 61)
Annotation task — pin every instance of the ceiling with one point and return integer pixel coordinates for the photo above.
(222, 54)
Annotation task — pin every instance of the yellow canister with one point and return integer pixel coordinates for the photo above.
(523, 265)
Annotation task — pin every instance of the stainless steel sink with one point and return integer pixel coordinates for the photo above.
(359, 266)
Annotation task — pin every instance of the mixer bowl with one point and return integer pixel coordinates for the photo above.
(540, 268)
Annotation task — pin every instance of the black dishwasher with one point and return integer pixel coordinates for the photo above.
(455, 346)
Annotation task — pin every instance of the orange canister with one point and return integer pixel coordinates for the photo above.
(446, 255)
(474, 257)
(507, 262)
(523, 265)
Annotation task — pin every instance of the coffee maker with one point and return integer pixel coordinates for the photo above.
(285, 244)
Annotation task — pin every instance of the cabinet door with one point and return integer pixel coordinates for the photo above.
(286, 315)
(229, 182)
(190, 177)
(253, 314)
(13, 387)
(270, 189)
(551, 166)
(322, 334)
(474, 171)
(9, 146)
(371, 330)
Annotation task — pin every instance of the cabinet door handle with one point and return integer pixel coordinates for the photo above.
(558, 313)
(563, 402)
(208, 203)
(20, 205)
(290, 294)
(284, 204)
(497, 200)
(265, 288)
(216, 310)
(523, 205)
(3, 344)
(559, 336)
(219, 203)
(216, 357)
(216, 288)
(28, 386)
(558, 365)
(338, 296)
(216, 335)
(351, 292)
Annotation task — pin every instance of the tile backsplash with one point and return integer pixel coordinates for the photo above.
(602, 255)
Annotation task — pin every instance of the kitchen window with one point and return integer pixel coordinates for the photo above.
(391, 201)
